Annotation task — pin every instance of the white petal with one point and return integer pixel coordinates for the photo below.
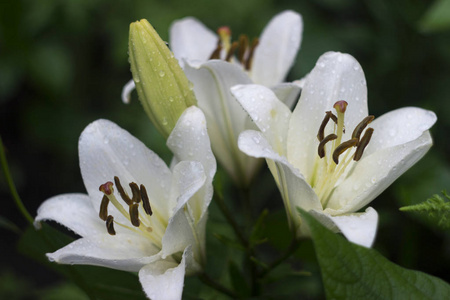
(106, 150)
(374, 173)
(126, 91)
(191, 40)
(75, 211)
(128, 252)
(287, 93)
(269, 114)
(295, 191)
(225, 117)
(336, 76)
(398, 127)
(358, 228)
(277, 48)
(163, 280)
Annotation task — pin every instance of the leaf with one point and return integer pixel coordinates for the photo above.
(238, 279)
(350, 271)
(7, 224)
(436, 208)
(229, 242)
(437, 18)
(257, 234)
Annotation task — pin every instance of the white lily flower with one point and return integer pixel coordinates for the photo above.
(158, 231)
(359, 160)
(213, 63)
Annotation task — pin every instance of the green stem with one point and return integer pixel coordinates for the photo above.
(217, 286)
(293, 246)
(11, 185)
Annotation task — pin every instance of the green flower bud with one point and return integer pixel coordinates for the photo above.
(162, 86)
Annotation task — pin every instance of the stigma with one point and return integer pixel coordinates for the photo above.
(335, 157)
(240, 51)
(138, 212)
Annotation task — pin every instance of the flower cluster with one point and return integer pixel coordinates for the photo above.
(216, 95)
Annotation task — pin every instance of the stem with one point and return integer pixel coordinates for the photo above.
(11, 185)
(293, 246)
(217, 286)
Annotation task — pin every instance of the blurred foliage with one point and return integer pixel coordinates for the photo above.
(63, 65)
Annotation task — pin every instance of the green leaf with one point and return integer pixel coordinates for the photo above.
(436, 208)
(229, 242)
(350, 271)
(437, 18)
(238, 279)
(7, 224)
(257, 234)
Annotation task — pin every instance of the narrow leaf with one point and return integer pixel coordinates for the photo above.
(350, 271)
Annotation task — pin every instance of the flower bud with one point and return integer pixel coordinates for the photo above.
(162, 86)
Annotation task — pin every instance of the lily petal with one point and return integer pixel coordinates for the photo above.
(358, 228)
(127, 252)
(374, 173)
(269, 114)
(126, 91)
(190, 39)
(106, 150)
(73, 211)
(278, 46)
(336, 76)
(225, 117)
(287, 93)
(163, 280)
(398, 127)
(295, 190)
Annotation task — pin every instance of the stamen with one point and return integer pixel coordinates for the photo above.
(360, 127)
(106, 188)
(134, 215)
(103, 213)
(136, 193)
(340, 106)
(110, 225)
(321, 133)
(146, 201)
(321, 149)
(342, 148)
(122, 192)
(363, 144)
(248, 63)
(243, 45)
(231, 51)
(216, 52)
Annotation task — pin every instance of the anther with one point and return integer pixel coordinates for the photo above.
(363, 144)
(103, 213)
(340, 106)
(360, 127)
(110, 225)
(321, 149)
(134, 215)
(231, 51)
(136, 193)
(243, 45)
(146, 201)
(216, 52)
(122, 192)
(106, 188)
(342, 148)
(321, 133)
(248, 62)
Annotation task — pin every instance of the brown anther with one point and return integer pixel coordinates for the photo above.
(361, 126)
(321, 148)
(216, 52)
(243, 45)
(136, 193)
(321, 132)
(106, 188)
(231, 51)
(110, 225)
(342, 148)
(363, 144)
(122, 192)
(134, 214)
(248, 62)
(146, 201)
(103, 213)
(340, 106)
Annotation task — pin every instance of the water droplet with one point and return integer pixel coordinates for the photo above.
(164, 121)
(106, 141)
(162, 73)
(170, 99)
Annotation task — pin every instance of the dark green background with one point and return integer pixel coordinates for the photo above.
(63, 64)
